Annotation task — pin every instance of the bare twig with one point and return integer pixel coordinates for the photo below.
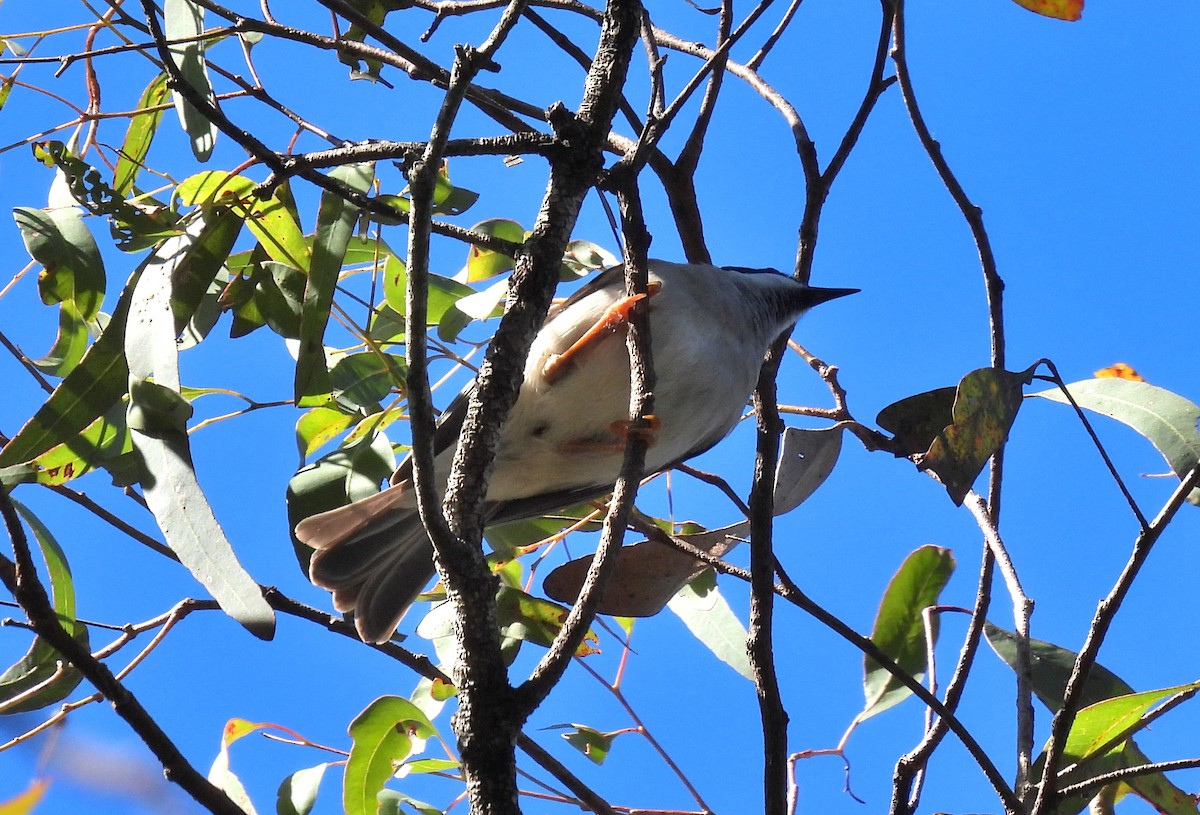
(1105, 612)
(21, 579)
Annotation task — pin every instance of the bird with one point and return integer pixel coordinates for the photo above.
(564, 439)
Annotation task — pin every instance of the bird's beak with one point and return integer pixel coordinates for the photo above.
(815, 295)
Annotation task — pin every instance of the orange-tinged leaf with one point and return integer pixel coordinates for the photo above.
(26, 801)
(1070, 10)
(1119, 370)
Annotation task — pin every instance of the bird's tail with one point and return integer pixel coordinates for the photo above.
(374, 555)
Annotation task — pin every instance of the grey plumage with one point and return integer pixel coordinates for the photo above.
(710, 328)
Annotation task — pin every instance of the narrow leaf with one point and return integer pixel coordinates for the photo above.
(169, 482)
(335, 226)
(140, 133)
(39, 668)
(184, 19)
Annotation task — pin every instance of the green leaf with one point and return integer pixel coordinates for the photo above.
(382, 736)
(318, 426)
(73, 271)
(40, 664)
(345, 475)
(1098, 725)
(139, 134)
(1167, 420)
(279, 294)
(221, 774)
(443, 292)
(336, 218)
(184, 19)
(88, 392)
(899, 629)
(169, 481)
(104, 443)
(484, 263)
(1051, 667)
(101, 378)
(273, 220)
(69, 346)
(298, 793)
(429, 765)
(367, 377)
(133, 226)
(710, 619)
(590, 741)
(531, 619)
(1156, 788)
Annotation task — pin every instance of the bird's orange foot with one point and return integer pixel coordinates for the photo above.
(616, 316)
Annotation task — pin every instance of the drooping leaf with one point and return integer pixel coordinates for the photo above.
(1166, 420)
(183, 22)
(899, 629)
(647, 574)
(273, 220)
(24, 803)
(985, 407)
(36, 677)
(335, 226)
(69, 345)
(72, 269)
(375, 11)
(279, 294)
(319, 425)
(1069, 10)
(139, 135)
(221, 773)
(806, 459)
(347, 474)
(298, 793)
(710, 619)
(104, 443)
(524, 617)
(157, 418)
(485, 263)
(87, 393)
(916, 421)
(389, 730)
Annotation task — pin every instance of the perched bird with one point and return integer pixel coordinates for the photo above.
(564, 439)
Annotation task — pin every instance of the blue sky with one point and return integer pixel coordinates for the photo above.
(1077, 140)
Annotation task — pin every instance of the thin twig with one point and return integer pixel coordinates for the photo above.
(1105, 612)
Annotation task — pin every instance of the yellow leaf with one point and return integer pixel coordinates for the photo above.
(1070, 10)
(24, 803)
